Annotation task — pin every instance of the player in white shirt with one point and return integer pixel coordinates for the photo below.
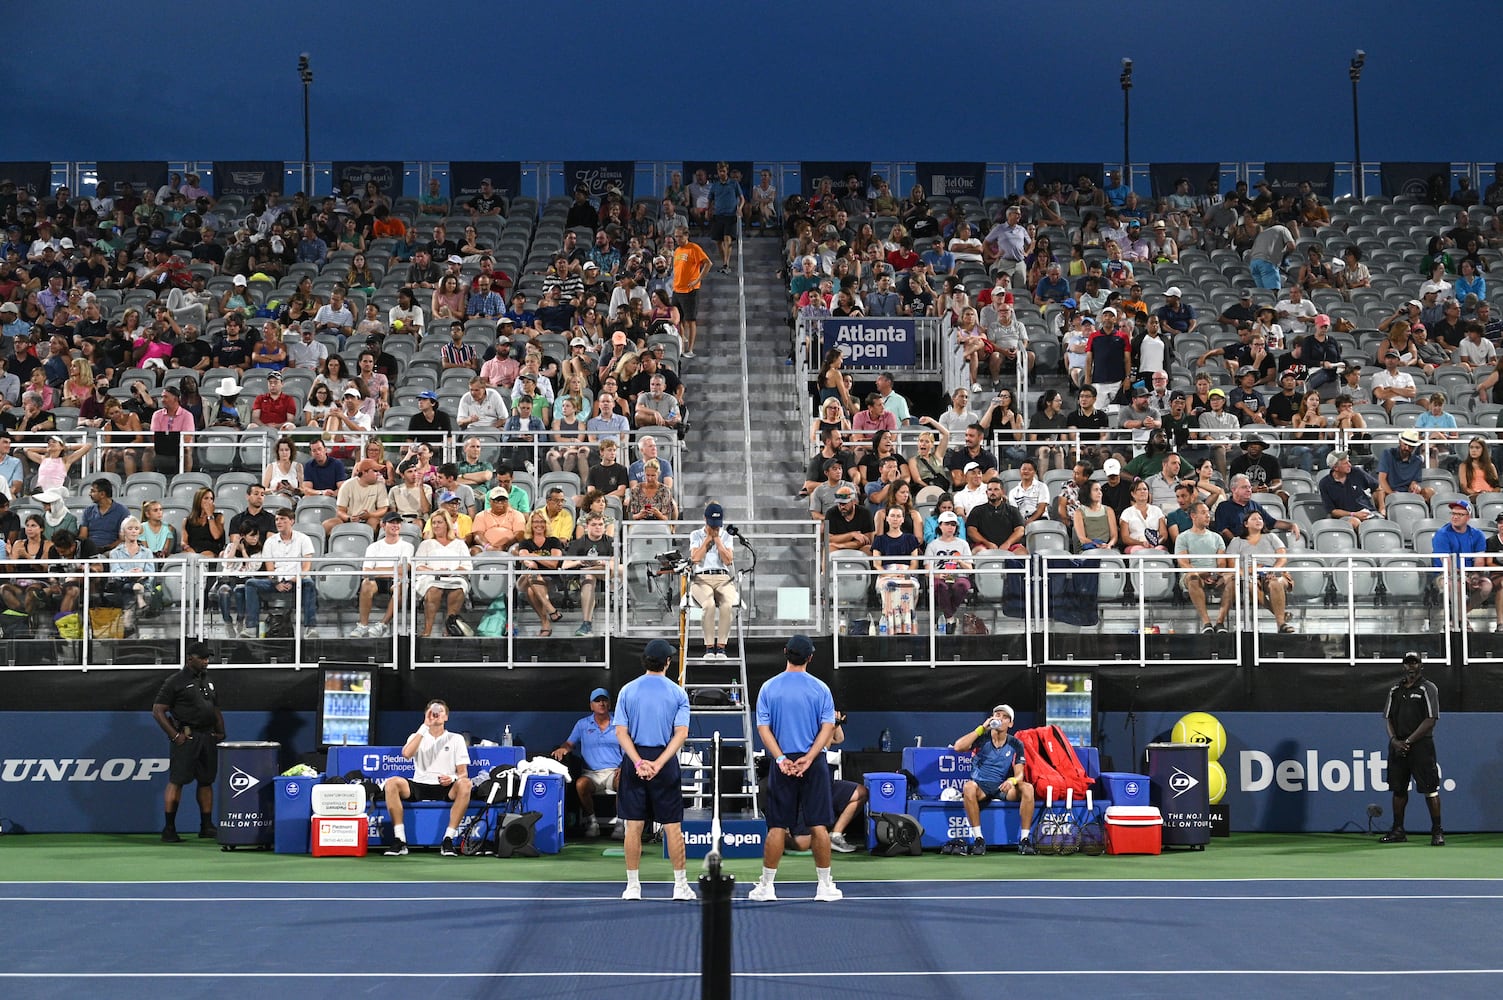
(381, 558)
(439, 762)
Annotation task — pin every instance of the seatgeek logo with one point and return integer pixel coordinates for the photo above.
(14, 769)
(1358, 771)
(727, 839)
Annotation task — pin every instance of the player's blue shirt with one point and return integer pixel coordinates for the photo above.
(650, 708)
(795, 704)
(600, 749)
(993, 764)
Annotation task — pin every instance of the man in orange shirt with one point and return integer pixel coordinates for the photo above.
(690, 265)
(498, 525)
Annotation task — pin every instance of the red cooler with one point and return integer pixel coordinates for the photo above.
(1134, 830)
(339, 836)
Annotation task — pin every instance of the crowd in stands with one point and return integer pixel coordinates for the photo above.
(1152, 365)
(363, 338)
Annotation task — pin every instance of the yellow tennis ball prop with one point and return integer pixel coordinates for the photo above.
(1216, 781)
(1204, 728)
(397, 324)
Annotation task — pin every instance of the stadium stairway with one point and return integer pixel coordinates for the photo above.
(716, 465)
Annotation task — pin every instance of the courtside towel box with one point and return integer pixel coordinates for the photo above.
(1134, 830)
(338, 801)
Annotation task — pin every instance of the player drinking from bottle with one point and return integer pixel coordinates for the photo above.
(439, 762)
(996, 773)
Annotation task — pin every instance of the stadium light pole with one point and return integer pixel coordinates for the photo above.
(1355, 72)
(305, 73)
(1126, 81)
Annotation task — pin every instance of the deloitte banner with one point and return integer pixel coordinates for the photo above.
(1313, 772)
(872, 343)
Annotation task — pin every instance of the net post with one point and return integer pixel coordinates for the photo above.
(715, 891)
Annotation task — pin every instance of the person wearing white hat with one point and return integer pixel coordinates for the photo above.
(996, 773)
(1400, 470)
(226, 412)
(348, 423)
(54, 460)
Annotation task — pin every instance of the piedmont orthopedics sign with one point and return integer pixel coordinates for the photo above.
(880, 342)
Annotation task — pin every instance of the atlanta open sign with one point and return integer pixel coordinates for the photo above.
(871, 343)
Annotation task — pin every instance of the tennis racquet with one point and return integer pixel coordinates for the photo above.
(478, 833)
(1056, 832)
(1092, 836)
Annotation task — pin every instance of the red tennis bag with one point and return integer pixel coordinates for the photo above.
(1049, 762)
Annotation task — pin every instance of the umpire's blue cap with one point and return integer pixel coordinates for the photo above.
(800, 647)
(659, 649)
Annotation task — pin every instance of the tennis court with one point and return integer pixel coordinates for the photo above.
(888, 938)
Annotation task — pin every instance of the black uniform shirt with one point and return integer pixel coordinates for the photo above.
(190, 699)
(1409, 706)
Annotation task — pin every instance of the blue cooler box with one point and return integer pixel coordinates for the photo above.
(545, 793)
(887, 791)
(293, 814)
(1124, 788)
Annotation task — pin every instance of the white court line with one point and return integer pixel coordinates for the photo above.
(822, 974)
(875, 881)
(1012, 898)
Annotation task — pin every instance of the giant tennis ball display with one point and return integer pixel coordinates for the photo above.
(1216, 781)
(1203, 728)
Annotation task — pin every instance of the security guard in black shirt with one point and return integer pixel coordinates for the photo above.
(1413, 707)
(187, 709)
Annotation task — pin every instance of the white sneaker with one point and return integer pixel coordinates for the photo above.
(249, 632)
(380, 630)
(632, 892)
(828, 892)
(839, 844)
(360, 632)
(687, 354)
(592, 829)
(311, 632)
(683, 893)
(763, 892)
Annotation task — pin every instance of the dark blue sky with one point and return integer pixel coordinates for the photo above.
(938, 79)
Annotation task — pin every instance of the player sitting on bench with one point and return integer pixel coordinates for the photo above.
(439, 759)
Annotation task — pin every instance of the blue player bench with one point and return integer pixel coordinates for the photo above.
(939, 768)
(425, 822)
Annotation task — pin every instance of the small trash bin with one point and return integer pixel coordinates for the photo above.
(1177, 774)
(246, 793)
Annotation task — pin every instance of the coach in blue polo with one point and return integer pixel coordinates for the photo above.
(796, 720)
(652, 722)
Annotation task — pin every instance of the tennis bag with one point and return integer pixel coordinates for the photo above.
(1050, 763)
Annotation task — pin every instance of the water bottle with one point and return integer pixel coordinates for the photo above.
(506, 737)
(885, 741)
(845, 626)
(735, 696)
(882, 626)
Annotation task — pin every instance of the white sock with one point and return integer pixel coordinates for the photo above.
(768, 874)
(633, 878)
(824, 876)
(681, 878)
(1023, 835)
(975, 833)
(399, 831)
(450, 831)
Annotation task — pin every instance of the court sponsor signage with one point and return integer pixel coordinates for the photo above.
(872, 343)
(1309, 772)
(739, 838)
(952, 180)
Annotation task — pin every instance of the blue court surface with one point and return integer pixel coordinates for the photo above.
(1319, 938)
